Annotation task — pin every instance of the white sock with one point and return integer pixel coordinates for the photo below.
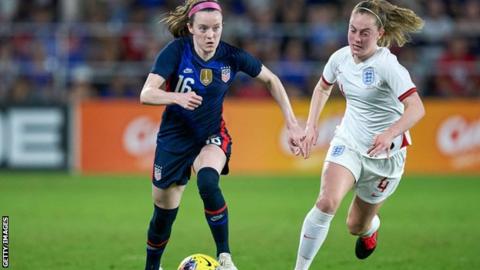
(374, 225)
(314, 231)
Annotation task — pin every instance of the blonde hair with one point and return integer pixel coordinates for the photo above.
(178, 19)
(397, 22)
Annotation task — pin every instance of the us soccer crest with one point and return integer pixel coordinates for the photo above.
(225, 74)
(157, 172)
(368, 76)
(206, 76)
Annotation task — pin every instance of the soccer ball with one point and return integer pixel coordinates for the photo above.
(199, 262)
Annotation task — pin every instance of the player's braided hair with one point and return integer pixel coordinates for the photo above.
(397, 22)
(177, 19)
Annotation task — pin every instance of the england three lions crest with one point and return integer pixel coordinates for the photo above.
(225, 74)
(368, 76)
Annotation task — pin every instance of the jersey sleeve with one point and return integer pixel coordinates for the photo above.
(329, 76)
(248, 63)
(168, 59)
(398, 78)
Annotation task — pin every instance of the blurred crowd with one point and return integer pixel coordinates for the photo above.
(68, 50)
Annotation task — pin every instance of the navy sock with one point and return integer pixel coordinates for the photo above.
(159, 232)
(216, 211)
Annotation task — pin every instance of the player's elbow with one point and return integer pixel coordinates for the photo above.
(144, 97)
(274, 79)
(414, 105)
(420, 110)
(273, 82)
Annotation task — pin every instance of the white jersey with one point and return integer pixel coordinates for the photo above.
(374, 90)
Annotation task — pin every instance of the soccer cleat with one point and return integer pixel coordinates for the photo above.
(226, 263)
(365, 246)
(160, 268)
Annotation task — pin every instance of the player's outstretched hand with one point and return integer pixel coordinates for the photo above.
(381, 143)
(189, 101)
(311, 136)
(296, 135)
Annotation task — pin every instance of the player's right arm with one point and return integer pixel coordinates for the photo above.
(320, 95)
(152, 94)
(165, 66)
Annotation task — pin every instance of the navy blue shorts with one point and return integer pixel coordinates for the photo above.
(169, 167)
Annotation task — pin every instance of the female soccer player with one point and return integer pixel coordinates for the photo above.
(368, 150)
(191, 76)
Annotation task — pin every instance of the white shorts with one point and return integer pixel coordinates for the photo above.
(375, 179)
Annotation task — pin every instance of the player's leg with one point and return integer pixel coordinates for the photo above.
(208, 166)
(379, 179)
(166, 202)
(364, 222)
(337, 180)
(171, 172)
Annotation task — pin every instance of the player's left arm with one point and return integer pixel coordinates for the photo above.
(413, 112)
(278, 92)
(400, 82)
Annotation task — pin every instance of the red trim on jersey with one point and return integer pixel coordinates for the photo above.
(325, 81)
(408, 93)
(216, 212)
(405, 141)
(167, 86)
(162, 244)
(225, 137)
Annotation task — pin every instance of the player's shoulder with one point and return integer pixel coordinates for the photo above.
(177, 43)
(229, 49)
(182, 41)
(234, 55)
(386, 61)
(385, 56)
(341, 54)
(345, 50)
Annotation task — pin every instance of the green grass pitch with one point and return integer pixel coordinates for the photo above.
(58, 221)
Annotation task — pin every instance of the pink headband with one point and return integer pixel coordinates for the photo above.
(204, 5)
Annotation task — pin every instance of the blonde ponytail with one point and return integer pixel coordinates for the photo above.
(397, 22)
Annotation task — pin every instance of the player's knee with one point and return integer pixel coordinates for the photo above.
(159, 202)
(162, 217)
(207, 182)
(164, 203)
(355, 227)
(327, 205)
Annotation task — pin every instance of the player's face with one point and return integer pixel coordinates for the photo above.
(363, 34)
(206, 30)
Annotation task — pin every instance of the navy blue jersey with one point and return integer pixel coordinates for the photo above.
(182, 130)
